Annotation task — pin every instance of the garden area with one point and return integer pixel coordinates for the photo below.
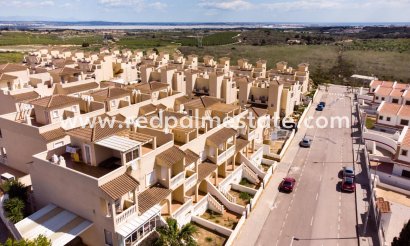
(228, 219)
(208, 238)
(242, 198)
(370, 121)
(247, 183)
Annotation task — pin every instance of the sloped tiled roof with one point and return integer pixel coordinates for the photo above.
(53, 134)
(55, 101)
(258, 112)
(171, 156)
(191, 157)
(79, 88)
(383, 91)
(12, 67)
(390, 108)
(204, 169)
(65, 71)
(119, 186)
(25, 97)
(110, 93)
(5, 77)
(222, 136)
(95, 133)
(397, 92)
(404, 111)
(151, 197)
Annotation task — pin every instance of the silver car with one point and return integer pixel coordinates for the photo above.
(305, 143)
(348, 172)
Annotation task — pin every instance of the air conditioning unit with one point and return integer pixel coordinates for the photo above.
(7, 177)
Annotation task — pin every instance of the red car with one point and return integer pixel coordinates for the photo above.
(287, 184)
(348, 184)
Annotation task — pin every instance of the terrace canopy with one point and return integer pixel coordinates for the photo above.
(59, 225)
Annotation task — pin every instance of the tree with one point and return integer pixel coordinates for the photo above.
(85, 44)
(39, 241)
(171, 235)
(17, 190)
(404, 238)
(14, 208)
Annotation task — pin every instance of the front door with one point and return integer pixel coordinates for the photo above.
(87, 151)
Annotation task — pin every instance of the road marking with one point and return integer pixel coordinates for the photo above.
(277, 242)
(317, 195)
(311, 221)
(320, 178)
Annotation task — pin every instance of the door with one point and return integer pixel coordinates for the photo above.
(87, 151)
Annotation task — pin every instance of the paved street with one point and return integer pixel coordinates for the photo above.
(316, 213)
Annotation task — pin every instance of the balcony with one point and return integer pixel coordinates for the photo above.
(226, 154)
(251, 135)
(176, 181)
(124, 215)
(183, 209)
(191, 181)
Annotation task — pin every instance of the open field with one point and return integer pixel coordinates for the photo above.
(14, 57)
(383, 64)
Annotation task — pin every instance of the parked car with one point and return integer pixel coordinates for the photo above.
(323, 104)
(287, 184)
(348, 184)
(348, 172)
(305, 143)
(319, 108)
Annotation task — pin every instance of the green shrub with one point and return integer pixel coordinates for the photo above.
(245, 196)
(14, 208)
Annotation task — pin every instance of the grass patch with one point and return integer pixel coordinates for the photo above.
(11, 57)
(370, 122)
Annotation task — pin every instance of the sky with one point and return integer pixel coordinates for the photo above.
(289, 11)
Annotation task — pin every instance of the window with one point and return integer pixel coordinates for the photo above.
(380, 117)
(405, 174)
(407, 102)
(132, 155)
(377, 98)
(55, 114)
(150, 179)
(404, 122)
(388, 118)
(382, 98)
(404, 152)
(395, 101)
(108, 237)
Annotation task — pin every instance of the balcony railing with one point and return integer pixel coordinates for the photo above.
(186, 207)
(251, 135)
(122, 217)
(191, 181)
(226, 154)
(177, 181)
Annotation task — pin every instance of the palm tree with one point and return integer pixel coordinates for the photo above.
(14, 209)
(171, 235)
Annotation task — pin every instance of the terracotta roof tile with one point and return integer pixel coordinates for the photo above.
(151, 197)
(241, 143)
(397, 92)
(191, 157)
(12, 67)
(65, 71)
(79, 88)
(404, 111)
(148, 87)
(171, 156)
(258, 112)
(53, 134)
(119, 186)
(383, 91)
(222, 136)
(4, 77)
(204, 169)
(401, 86)
(55, 101)
(390, 108)
(95, 133)
(25, 97)
(110, 93)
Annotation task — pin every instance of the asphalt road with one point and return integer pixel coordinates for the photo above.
(317, 212)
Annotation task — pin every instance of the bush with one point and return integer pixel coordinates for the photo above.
(17, 190)
(245, 196)
(14, 208)
(39, 241)
(84, 45)
(208, 239)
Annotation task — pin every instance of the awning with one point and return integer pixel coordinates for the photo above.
(132, 224)
(119, 143)
(57, 224)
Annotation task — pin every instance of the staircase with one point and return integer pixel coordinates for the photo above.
(250, 173)
(216, 204)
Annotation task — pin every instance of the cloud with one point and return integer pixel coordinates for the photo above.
(226, 5)
(139, 4)
(27, 4)
(158, 5)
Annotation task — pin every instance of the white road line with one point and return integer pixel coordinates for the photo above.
(320, 178)
(317, 195)
(311, 221)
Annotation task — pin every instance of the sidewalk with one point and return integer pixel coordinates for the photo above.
(253, 225)
(363, 191)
